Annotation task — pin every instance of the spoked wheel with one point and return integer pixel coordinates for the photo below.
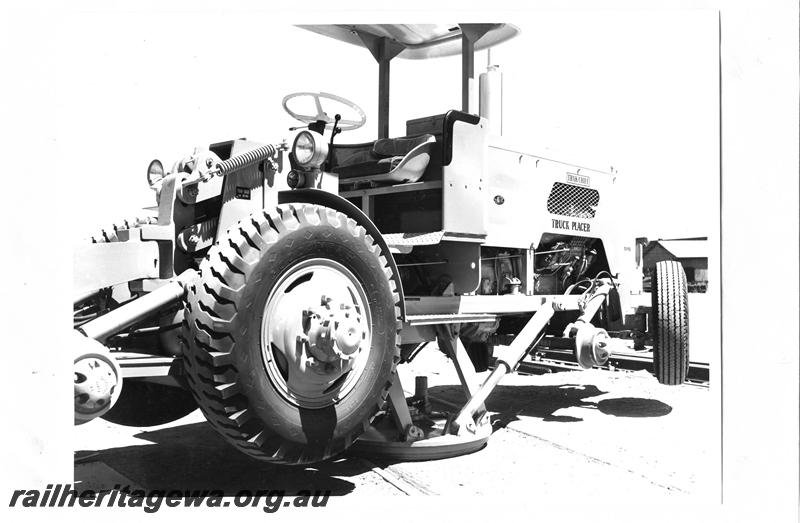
(670, 323)
(291, 334)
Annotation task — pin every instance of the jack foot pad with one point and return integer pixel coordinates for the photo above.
(382, 440)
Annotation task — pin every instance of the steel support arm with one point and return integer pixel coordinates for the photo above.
(125, 316)
(528, 336)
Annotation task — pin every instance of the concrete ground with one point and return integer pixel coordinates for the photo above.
(594, 434)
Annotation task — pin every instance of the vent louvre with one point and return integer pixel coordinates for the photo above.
(573, 200)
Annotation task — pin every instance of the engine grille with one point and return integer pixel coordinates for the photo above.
(572, 200)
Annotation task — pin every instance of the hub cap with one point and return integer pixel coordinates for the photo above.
(316, 333)
(95, 381)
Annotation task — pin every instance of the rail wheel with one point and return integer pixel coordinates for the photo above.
(291, 334)
(670, 323)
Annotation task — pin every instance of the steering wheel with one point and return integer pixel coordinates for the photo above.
(344, 125)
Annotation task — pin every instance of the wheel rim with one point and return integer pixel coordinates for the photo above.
(316, 333)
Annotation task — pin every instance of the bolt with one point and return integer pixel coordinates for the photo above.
(209, 162)
(414, 433)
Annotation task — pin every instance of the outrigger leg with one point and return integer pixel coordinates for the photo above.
(411, 430)
(530, 335)
(420, 434)
(414, 432)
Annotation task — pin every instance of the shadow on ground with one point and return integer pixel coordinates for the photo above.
(634, 407)
(195, 457)
(544, 401)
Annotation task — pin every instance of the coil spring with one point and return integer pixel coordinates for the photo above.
(247, 159)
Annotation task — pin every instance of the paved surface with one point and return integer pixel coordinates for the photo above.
(597, 434)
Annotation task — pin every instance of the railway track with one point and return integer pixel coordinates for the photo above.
(554, 359)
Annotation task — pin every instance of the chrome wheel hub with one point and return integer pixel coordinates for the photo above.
(316, 333)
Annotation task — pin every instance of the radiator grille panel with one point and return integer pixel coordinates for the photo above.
(572, 200)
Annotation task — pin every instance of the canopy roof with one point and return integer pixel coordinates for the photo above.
(419, 41)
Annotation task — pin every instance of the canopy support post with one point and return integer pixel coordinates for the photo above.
(470, 34)
(383, 50)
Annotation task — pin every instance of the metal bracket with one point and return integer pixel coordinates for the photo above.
(198, 236)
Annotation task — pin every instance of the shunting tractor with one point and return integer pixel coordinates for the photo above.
(279, 287)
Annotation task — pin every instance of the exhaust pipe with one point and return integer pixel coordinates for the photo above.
(491, 97)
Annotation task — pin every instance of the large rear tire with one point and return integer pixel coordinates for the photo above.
(249, 319)
(670, 323)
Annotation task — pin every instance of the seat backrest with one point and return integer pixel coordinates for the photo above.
(387, 147)
(441, 126)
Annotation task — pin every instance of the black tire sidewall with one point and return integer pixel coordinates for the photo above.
(670, 335)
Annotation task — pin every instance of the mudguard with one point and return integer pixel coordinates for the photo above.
(337, 203)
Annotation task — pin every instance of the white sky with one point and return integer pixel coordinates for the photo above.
(636, 90)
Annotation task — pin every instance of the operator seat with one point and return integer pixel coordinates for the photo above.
(388, 160)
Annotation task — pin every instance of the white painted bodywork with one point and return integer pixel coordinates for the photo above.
(463, 181)
(523, 181)
(494, 187)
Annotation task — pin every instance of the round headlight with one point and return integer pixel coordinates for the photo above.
(303, 148)
(155, 173)
(310, 149)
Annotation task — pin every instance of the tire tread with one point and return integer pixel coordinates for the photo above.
(671, 325)
(213, 306)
